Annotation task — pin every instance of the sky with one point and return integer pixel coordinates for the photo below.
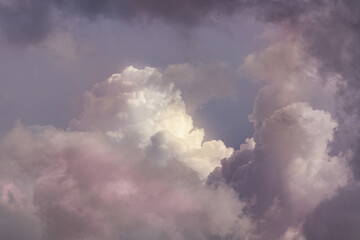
(180, 120)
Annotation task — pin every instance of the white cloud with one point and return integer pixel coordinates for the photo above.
(132, 166)
(139, 108)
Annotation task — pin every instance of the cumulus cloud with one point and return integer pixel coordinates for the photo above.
(336, 48)
(289, 171)
(329, 33)
(291, 178)
(285, 170)
(139, 108)
(288, 76)
(132, 166)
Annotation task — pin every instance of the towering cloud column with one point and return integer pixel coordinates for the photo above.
(285, 170)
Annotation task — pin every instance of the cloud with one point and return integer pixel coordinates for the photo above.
(28, 22)
(25, 22)
(330, 34)
(335, 218)
(132, 166)
(291, 176)
(17, 221)
(139, 108)
(288, 172)
(286, 169)
(289, 75)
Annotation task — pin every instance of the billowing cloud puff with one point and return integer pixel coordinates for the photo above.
(285, 170)
(289, 76)
(288, 171)
(132, 166)
(139, 109)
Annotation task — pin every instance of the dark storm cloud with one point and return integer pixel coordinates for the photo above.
(27, 22)
(186, 12)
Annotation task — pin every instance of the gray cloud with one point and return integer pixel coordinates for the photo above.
(336, 218)
(24, 22)
(285, 170)
(282, 185)
(30, 21)
(329, 33)
(332, 36)
(185, 12)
